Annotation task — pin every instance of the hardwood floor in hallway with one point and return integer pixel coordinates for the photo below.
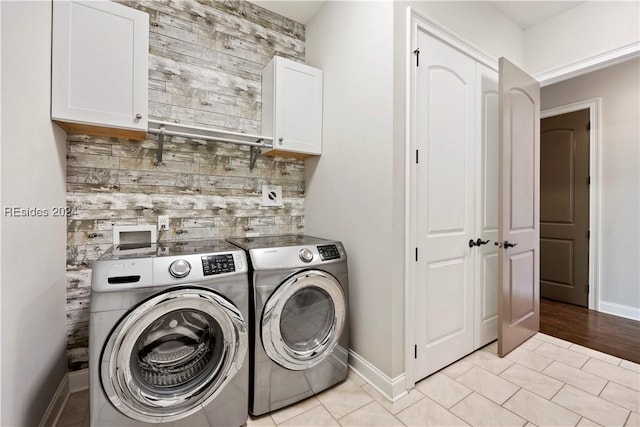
(602, 332)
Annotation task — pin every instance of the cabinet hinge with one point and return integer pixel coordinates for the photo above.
(417, 161)
(416, 254)
(415, 351)
(417, 54)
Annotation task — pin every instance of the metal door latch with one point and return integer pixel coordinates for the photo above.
(478, 242)
(505, 245)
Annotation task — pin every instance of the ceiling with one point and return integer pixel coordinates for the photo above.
(529, 13)
(523, 13)
(299, 10)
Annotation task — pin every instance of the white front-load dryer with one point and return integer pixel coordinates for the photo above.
(301, 306)
(169, 336)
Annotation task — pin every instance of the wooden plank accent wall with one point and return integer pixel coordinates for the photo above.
(205, 65)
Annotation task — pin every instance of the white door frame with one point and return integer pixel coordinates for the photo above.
(416, 20)
(593, 105)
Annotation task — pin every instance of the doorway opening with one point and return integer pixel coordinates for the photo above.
(569, 203)
(564, 207)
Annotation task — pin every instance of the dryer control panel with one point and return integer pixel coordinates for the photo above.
(218, 264)
(328, 252)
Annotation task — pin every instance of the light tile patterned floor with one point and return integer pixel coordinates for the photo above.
(545, 382)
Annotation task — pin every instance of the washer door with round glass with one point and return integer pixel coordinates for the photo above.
(303, 320)
(172, 354)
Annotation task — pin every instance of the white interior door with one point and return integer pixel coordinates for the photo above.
(519, 215)
(486, 263)
(445, 129)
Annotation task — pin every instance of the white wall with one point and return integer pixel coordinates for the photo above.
(33, 248)
(586, 30)
(349, 191)
(619, 88)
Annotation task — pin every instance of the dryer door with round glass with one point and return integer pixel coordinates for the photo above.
(303, 320)
(172, 354)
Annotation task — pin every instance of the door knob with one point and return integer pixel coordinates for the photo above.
(509, 245)
(138, 116)
(481, 242)
(472, 243)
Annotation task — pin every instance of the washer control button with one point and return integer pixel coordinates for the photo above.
(179, 268)
(305, 255)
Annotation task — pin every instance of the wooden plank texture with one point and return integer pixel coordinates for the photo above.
(205, 64)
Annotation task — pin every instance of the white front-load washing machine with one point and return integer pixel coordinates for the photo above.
(169, 336)
(300, 302)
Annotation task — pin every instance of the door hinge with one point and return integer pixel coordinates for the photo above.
(588, 234)
(417, 54)
(586, 288)
(415, 351)
(589, 126)
(416, 254)
(417, 161)
(588, 180)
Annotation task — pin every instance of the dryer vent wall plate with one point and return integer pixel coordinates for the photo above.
(272, 195)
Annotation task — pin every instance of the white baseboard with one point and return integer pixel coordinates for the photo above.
(56, 406)
(619, 310)
(391, 388)
(78, 380)
(71, 383)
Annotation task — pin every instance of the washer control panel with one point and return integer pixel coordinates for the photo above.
(218, 264)
(328, 252)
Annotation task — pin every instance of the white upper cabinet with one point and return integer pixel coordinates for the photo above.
(100, 68)
(292, 107)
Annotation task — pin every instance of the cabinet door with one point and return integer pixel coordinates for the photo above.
(99, 64)
(298, 107)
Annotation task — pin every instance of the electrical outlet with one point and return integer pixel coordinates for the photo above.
(163, 222)
(272, 195)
